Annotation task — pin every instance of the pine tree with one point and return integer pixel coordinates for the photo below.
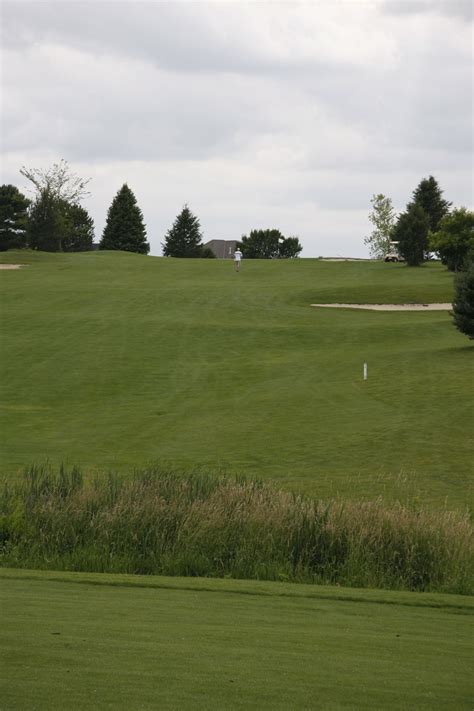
(13, 218)
(124, 228)
(78, 228)
(56, 225)
(411, 233)
(46, 224)
(463, 303)
(184, 239)
(428, 195)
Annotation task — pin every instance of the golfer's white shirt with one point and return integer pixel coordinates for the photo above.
(237, 255)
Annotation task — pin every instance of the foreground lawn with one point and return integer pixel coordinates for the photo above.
(83, 641)
(113, 360)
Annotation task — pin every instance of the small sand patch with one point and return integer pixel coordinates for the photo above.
(12, 266)
(390, 307)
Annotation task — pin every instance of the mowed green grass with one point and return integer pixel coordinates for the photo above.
(83, 641)
(114, 361)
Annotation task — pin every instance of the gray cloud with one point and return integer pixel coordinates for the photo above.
(289, 115)
(452, 8)
(174, 36)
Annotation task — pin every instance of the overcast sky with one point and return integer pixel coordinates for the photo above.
(257, 114)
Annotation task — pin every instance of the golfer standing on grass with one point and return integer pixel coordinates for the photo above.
(237, 258)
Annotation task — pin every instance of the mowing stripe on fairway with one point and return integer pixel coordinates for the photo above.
(247, 587)
(81, 647)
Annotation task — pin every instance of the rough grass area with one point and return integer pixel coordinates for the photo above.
(114, 360)
(77, 641)
(159, 523)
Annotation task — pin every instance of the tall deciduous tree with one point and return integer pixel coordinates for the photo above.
(184, 239)
(124, 228)
(289, 248)
(454, 239)
(57, 222)
(411, 233)
(58, 181)
(463, 303)
(260, 244)
(383, 218)
(269, 244)
(429, 196)
(13, 218)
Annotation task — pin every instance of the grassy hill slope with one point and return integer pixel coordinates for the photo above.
(81, 641)
(113, 360)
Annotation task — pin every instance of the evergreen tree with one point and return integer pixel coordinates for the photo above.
(428, 195)
(13, 218)
(207, 253)
(184, 239)
(78, 228)
(59, 226)
(463, 303)
(46, 224)
(124, 228)
(411, 233)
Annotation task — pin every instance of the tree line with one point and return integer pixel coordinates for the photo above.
(427, 226)
(55, 221)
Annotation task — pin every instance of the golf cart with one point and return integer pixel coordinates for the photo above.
(393, 254)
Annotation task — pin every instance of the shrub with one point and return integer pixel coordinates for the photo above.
(463, 303)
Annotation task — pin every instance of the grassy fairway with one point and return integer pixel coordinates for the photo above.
(113, 360)
(105, 642)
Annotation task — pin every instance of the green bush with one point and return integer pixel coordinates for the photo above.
(463, 302)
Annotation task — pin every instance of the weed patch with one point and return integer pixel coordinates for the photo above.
(160, 522)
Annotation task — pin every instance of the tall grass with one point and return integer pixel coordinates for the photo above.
(161, 522)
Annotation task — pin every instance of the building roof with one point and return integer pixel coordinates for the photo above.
(222, 248)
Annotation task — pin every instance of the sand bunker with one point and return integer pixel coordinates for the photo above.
(12, 266)
(390, 307)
